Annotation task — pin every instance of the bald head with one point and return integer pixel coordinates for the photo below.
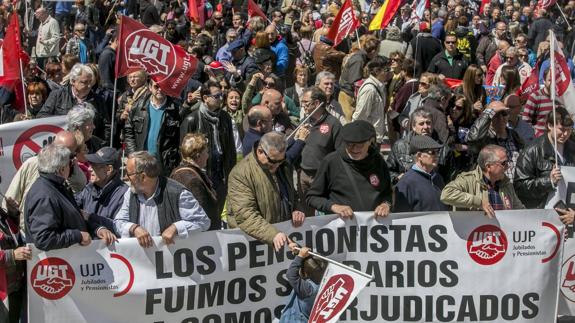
(260, 118)
(503, 46)
(272, 98)
(67, 139)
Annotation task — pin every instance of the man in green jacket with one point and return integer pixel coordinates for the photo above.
(261, 192)
(486, 188)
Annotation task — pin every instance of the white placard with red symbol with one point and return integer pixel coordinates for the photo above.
(426, 267)
(22, 140)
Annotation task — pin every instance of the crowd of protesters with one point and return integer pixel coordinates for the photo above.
(276, 123)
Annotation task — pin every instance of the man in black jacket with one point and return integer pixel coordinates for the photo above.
(53, 219)
(536, 175)
(107, 62)
(209, 118)
(154, 125)
(79, 92)
(354, 178)
(423, 48)
(449, 63)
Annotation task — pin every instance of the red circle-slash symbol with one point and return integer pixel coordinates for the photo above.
(25, 140)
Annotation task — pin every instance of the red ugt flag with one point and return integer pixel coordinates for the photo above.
(255, 10)
(193, 13)
(544, 4)
(11, 52)
(345, 22)
(139, 48)
(531, 84)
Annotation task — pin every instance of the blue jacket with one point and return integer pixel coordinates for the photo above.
(103, 203)
(293, 151)
(279, 47)
(302, 296)
(418, 191)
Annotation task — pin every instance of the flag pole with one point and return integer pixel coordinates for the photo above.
(22, 80)
(113, 112)
(357, 38)
(337, 264)
(563, 14)
(553, 93)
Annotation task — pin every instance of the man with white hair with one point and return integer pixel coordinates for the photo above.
(81, 120)
(48, 37)
(53, 219)
(79, 92)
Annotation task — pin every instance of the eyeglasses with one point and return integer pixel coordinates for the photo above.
(449, 42)
(272, 161)
(80, 30)
(218, 18)
(395, 59)
(129, 176)
(504, 163)
(217, 96)
(458, 108)
(423, 83)
(431, 152)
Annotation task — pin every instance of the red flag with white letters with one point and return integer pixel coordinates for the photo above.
(140, 48)
(344, 23)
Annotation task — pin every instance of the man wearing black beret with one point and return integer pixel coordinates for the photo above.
(420, 188)
(354, 178)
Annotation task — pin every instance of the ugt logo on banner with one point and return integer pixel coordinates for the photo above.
(52, 278)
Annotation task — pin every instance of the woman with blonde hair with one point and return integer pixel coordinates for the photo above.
(472, 88)
(192, 174)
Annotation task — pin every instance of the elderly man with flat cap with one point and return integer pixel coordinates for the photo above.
(102, 198)
(354, 178)
(419, 190)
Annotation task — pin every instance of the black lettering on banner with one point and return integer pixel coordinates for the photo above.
(263, 315)
(171, 306)
(397, 236)
(236, 291)
(209, 265)
(415, 239)
(435, 233)
(183, 262)
(394, 270)
(351, 310)
(488, 307)
(191, 320)
(277, 256)
(412, 308)
(325, 242)
(467, 309)
(372, 314)
(285, 287)
(236, 250)
(374, 270)
(510, 305)
(363, 240)
(259, 291)
(212, 318)
(377, 232)
(160, 273)
(151, 299)
(429, 308)
(211, 294)
(529, 302)
(245, 317)
(347, 240)
(191, 304)
(410, 274)
(427, 267)
(442, 314)
(446, 268)
(390, 314)
(257, 249)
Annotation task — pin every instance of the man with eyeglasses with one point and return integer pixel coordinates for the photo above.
(28, 172)
(79, 46)
(489, 44)
(420, 189)
(491, 128)
(223, 53)
(486, 188)
(156, 205)
(512, 60)
(153, 125)
(536, 175)
(449, 63)
(208, 117)
(353, 179)
(261, 192)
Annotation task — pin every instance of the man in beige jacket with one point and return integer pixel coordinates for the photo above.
(47, 43)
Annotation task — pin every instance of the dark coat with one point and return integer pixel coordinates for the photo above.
(424, 47)
(106, 66)
(53, 221)
(440, 65)
(136, 132)
(534, 164)
(61, 101)
(417, 191)
(197, 182)
(149, 14)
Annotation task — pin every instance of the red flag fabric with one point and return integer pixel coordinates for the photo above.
(452, 83)
(193, 13)
(140, 48)
(11, 52)
(255, 10)
(483, 3)
(544, 4)
(344, 23)
(531, 84)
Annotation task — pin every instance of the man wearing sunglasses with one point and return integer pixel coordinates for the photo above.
(261, 192)
(492, 128)
(420, 188)
(486, 188)
(450, 62)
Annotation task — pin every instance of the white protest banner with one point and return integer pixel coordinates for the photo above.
(339, 287)
(427, 267)
(22, 140)
(566, 192)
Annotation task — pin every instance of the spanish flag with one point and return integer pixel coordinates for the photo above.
(385, 14)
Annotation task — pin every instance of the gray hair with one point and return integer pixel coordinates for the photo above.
(419, 113)
(79, 69)
(322, 75)
(442, 13)
(146, 163)
(273, 141)
(78, 116)
(53, 158)
(487, 156)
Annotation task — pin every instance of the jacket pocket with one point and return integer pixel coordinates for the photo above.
(138, 123)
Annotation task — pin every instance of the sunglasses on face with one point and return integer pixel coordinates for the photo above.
(449, 42)
(217, 96)
(272, 161)
(431, 152)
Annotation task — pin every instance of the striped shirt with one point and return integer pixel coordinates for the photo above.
(536, 109)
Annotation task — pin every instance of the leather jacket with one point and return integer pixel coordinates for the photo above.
(532, 180)
(136, 132)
